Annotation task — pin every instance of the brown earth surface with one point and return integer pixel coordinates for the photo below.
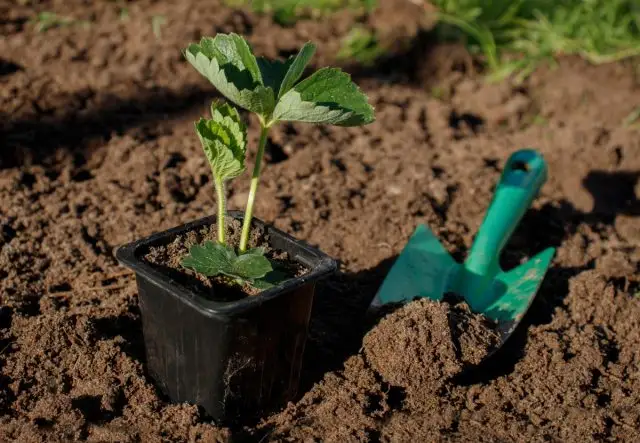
(98, 149)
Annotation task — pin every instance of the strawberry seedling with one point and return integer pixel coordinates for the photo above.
(272, 90)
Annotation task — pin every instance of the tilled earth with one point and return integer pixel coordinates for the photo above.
(98, 149)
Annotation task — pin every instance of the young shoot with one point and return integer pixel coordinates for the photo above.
(272, 90)
(224, 141)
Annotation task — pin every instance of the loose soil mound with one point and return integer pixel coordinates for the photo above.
(407, 362)
(98, 150)
(425, 344)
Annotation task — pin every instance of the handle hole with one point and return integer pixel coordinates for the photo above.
(520, 166)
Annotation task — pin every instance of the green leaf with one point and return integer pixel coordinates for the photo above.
(273, 72)
(231, 49)
(221, 110)
(229, 64)
(224, 141)
(244, 52)
(282, 75)
(211, 259)
(228, 117)
(259, 250)
(272, 279)
(251, 266)
(296, 68)
(328, 96)
(262, 284)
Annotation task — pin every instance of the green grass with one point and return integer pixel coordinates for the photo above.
(48, 20)
(515, 36)
(361, 45)
(157, 22)
(633, 119)
(286, 12)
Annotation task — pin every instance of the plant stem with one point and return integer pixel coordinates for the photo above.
(221, 210)
(255, 178)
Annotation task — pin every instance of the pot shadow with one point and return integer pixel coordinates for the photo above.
(7, 397)
(339, 320)
(127, 325)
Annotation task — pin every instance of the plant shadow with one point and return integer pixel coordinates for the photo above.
(36, 139)
(127, 325)
(614, 193)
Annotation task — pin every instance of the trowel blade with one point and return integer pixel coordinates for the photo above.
(422, 269)
(516, 289)
(426, 269)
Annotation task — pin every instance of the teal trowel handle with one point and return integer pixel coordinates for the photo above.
(522, 178)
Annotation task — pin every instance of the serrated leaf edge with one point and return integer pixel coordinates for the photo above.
(211, 70)
(338, 117)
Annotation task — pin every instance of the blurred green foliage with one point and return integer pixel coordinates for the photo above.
(361, 45)
(287, 12)
(515, 36)
(48, 20)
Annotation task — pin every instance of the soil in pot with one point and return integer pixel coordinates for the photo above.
(168, 258)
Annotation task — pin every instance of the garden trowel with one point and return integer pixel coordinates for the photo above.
(425, 268)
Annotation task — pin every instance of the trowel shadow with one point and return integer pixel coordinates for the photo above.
(551, 294)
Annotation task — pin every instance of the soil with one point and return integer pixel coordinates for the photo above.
(98, 150)
(169, 257)
(425, 344)
(408, 362)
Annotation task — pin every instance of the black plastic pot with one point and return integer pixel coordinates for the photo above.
(236, 359)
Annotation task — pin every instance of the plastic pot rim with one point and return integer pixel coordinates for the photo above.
(320, 266)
